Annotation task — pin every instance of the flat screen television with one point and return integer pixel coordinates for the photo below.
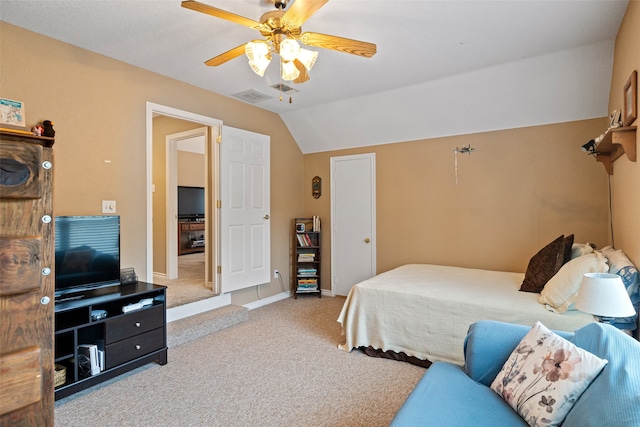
(87, 253)
(190, 202)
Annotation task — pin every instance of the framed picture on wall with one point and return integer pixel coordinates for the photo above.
(630, 100)
(11, 112)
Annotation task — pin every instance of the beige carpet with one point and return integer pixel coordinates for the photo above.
(189, 286)
(281, 367)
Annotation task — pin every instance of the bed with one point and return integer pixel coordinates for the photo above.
(424, 311)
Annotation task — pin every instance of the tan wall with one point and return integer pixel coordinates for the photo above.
(190, 169)
(519, 190)
(625, 181)
(98, 107)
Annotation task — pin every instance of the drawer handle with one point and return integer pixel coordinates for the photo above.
(137, 324)
(137, 346)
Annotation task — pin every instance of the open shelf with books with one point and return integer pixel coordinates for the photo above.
(306, 256)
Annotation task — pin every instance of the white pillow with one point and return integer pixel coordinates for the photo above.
(561, 291)
(579, 249)
(544, 376)
(617, 259)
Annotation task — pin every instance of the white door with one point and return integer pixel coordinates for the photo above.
(245, 258)
(353, 221)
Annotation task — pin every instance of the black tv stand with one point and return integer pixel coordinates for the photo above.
(129, 340)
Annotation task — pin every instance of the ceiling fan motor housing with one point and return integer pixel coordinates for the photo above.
(280, 4)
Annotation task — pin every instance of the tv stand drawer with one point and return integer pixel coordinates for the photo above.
(134, 323)
(134, 347)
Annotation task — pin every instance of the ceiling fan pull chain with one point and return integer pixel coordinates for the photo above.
(280, 79)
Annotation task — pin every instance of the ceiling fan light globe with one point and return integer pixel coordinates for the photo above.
(259, 66)
(307, 58)
(289, 71)
(256, 50)
(289, 50)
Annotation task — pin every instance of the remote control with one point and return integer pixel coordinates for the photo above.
(130, 307)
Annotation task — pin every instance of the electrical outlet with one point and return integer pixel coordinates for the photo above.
(276, 273)
(108, 206)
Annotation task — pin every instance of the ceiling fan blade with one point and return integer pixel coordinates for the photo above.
(223, 14)
(227, 56)
(301, 10)
(304, 76)
(354, 47)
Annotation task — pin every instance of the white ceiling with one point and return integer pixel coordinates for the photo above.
(442, 67)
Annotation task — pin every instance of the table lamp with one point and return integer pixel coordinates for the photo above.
(604, 296)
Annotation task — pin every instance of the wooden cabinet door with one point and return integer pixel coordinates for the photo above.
(26, 282)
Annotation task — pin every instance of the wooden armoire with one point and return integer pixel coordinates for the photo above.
(26, 280)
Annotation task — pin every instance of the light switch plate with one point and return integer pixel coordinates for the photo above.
(109, 206)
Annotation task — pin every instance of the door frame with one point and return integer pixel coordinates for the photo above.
(153, 109)
(372, 158)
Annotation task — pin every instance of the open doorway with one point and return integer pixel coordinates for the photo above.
(187, 280)
(186, 170)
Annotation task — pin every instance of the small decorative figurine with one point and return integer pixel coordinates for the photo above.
(48, 128)
(37, 130)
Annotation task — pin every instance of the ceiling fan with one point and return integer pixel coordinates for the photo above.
(281, 30)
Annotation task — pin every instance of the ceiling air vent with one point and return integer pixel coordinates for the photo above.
(253, 96)
(281, 87)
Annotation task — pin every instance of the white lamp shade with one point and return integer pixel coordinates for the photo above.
(289, 50)
(604, 295)
(258, 53)
(259, 66)
(308, 58)
(256, 50)
(289, 71)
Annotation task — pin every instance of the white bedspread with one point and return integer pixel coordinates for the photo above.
(425, 310)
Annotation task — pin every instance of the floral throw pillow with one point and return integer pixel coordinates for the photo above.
(544, 376)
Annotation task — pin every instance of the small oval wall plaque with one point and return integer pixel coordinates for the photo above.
(316, 187)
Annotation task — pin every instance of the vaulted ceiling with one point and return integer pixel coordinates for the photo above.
(441, 68)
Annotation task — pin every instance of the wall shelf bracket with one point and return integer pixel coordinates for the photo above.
(616, 142)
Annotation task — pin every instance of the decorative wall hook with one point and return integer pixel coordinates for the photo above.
(465, 149)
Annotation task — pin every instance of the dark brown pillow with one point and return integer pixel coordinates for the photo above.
(568, 243)
(543, 266)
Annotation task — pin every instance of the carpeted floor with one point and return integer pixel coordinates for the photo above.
(189, 286)
(281, 367)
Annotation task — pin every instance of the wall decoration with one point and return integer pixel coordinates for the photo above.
(630, 100)
(316, 187)
(614, 119)
(465, 149)
(12, 112)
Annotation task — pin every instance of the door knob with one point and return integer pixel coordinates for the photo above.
(267, 216)
(367, 240)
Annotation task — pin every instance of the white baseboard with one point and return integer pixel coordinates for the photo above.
(198, 307)
(267, 301)
(222, 300)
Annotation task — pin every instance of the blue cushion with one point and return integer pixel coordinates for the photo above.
(447, 397)
(613, 398)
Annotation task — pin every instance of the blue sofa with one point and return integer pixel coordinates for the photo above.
(451, 395)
